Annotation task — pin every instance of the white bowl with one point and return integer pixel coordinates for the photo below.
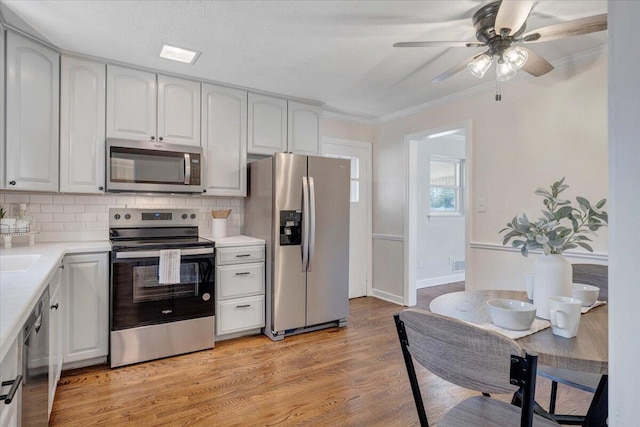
(511, 314)
(588, 294)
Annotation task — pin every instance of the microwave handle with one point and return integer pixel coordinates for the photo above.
(187, 168)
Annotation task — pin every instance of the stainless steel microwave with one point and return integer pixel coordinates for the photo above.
(153, 167)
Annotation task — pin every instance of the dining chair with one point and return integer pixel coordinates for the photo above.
(472, 357)
(588, 274)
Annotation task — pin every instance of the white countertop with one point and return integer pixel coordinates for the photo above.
(223, 242)
(19, 291)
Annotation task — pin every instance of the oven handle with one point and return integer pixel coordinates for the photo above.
(156, 254)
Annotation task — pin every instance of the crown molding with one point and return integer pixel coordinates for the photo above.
(575, 59)
(346, 118)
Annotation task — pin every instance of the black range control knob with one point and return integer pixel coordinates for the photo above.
(127, 216)
(184, 216)
(193, 216)
(116, 216)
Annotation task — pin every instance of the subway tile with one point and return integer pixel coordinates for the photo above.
(1, 197)
(162, 201)
(102, 217)
(86, 200)
(95, 208)
(105, 200)
(73, 209)
(143, 200)
(98, 225)
(64, 217)
(16, 198)
(43, 217)
(64, 200)
(40, 198)
(33, 208)
(126, 200)
(51, 226)
(51, 208)
(179, 202)
(86, 217)
(74, 226)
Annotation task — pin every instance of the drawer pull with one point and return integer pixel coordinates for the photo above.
(12, 391)
(243, 255)
(243, 306)
(244, 273)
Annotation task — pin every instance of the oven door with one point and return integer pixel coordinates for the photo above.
(138, 299)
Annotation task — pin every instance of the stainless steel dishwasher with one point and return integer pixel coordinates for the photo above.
(35, 365)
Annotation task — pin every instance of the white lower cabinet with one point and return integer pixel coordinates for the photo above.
(85, 308)
(10, 368)
(240, 300)
(55, 337)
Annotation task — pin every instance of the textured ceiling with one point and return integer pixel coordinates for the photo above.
(336, 52)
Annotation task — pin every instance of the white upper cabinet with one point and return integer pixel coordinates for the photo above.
(277, 125)
(267, 125)
(131, 104)
(178, 111)
(32, 92)
(304, 128)
(82, 126)
(149, 107)
(224, 140)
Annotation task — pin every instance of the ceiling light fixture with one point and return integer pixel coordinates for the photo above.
(178, 54)
(480, 65)
(508, 62)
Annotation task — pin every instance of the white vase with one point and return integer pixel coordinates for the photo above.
(552, 276)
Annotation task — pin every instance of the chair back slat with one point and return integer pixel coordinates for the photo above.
(435, 341)
(593, 274)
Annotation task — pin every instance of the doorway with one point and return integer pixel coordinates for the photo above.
(359, 153)
(437, 207)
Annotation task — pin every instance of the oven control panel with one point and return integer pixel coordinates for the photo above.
(153, 217)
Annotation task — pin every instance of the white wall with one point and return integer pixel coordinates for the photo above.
(624, 269)
(439, 237)
(543, 129)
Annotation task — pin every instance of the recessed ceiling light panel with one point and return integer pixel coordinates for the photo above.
(178, 54)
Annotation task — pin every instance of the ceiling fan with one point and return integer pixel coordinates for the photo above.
(500, 26)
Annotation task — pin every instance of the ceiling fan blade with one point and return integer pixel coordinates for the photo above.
(590, 24)
(438, 44)
(512, 16)
(455, 69)
(536, 65)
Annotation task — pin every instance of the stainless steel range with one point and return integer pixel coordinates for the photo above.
(162, 285)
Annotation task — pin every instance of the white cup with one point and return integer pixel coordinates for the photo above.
(528, 283)
(565, 315)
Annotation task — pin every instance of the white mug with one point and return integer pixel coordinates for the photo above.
(565, 315)
(528, 283)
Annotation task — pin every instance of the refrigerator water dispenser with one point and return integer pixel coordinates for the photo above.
(290, 228)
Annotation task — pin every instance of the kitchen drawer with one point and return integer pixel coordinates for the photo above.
(239, 314)
(239, 254)
(239, 280)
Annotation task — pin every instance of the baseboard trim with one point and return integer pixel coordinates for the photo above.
(390, 237)
(595, 256)
(388, 296)
(442, 280)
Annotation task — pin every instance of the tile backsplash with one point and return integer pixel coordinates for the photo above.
(63, 217)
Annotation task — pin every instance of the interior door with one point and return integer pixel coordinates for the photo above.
(328, 275)
(359, 153)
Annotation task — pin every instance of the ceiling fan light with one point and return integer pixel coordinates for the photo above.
(515, 57)
(479, 66)
(504, 72)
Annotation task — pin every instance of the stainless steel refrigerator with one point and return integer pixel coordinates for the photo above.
(300, 206)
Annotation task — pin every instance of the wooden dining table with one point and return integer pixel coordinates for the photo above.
(586, 352)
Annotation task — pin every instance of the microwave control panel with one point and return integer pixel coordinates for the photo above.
(195, 170)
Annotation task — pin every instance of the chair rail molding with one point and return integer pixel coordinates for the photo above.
(595, 256)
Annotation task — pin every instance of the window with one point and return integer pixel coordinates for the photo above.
(445, 179)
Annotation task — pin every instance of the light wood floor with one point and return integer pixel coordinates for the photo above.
(352, 376)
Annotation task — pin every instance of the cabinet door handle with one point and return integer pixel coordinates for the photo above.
(153, 138)
(55, 306)
(160, 138)
(12, 183)
(243, 255)
(244, 273)
(101, 188)
(243, 306)
(12, 391)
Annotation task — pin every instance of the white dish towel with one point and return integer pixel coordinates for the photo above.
(169, 268)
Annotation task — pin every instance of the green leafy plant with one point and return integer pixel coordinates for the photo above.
(561, 227)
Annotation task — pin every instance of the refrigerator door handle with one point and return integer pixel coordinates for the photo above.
(305, 223)
(312, 217)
